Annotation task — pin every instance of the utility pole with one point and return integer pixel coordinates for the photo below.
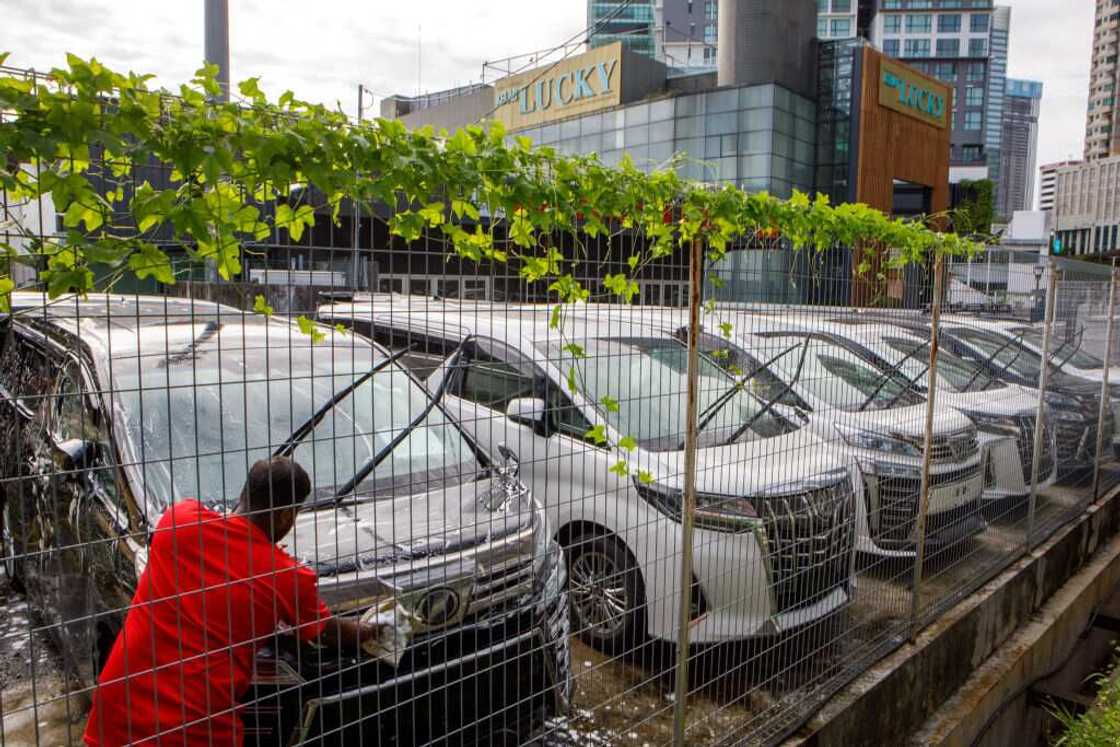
(217, 41)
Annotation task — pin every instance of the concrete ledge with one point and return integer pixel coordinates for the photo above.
(891, 702)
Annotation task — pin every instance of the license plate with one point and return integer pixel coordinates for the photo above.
(955, 495)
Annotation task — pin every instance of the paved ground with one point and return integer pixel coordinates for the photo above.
(733, 689)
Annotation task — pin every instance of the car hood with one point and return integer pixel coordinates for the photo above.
(375, 531)
(906, 422)
(1010, 400)
(751, 467)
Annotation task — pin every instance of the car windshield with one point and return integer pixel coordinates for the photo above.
(1068, 349)
(841, 374)
(954, 372)
(196, 420)
(1000, 352)
(647, 377)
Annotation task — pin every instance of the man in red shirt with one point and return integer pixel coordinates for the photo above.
(216, 586)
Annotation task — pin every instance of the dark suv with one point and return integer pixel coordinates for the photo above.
(112, 408)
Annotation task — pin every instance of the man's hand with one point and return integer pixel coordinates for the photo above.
(348, 633)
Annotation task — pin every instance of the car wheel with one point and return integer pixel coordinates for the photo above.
(605, 593)
(10, 549)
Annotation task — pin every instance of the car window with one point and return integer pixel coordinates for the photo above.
(496, 374)
(761, 379)
(73, 418)
(1064, 348)
(26, 372)
(999, 352)
(835, 371)
(958, 374)
(647, 378)
(426, 354)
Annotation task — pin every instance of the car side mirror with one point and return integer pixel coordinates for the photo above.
(528, 411)
(77, 454)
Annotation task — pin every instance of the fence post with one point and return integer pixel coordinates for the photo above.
(688, 499)
(923, 494)
(355, 259)
(1044, 381)
(1104, 382)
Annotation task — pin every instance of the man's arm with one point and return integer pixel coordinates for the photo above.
(347, 633)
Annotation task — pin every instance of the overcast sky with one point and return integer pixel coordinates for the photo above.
(323, 50)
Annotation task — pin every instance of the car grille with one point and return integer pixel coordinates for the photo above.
(1026, 448)
(893, 523)
(502, 587)
(954, 447)
(809, 538)
(1077, 440)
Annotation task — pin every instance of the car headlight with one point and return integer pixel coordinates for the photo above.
(862, 439)
(720, 513)
(1004, 425)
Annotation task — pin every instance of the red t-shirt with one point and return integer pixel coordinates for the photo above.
(215, 587)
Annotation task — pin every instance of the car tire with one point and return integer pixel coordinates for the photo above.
(606, 594)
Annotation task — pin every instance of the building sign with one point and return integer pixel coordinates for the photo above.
(579, 85)
(906, 91)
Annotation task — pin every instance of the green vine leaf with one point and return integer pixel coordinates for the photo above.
(597, 435)
(311, 329)
(261, 306)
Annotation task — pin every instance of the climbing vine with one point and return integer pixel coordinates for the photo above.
(80, 134)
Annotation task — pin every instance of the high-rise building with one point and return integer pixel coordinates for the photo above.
(1102, 136)
(965, 45)
(1019, 150)
(631, 22)
(686, 33)
(1048, 183)
(837, 19)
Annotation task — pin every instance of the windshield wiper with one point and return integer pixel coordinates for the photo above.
(308, 425)
(885, 378)
(775, 399)
(713, 409)
(433, 400)
(988, 361)
(1073, 347)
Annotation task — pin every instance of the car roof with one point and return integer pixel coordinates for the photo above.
(117, 326)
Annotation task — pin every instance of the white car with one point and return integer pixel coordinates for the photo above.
(861, 409)
(774, 542)
(1004, 413)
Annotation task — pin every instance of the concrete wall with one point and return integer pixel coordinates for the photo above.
(451, 115)
(762, 41)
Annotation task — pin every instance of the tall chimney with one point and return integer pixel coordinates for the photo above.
(768, 41)
(217, 40)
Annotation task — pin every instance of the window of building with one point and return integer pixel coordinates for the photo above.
(892, 24)
(977, 47)
(890, 47)
(919, 23)
(978, 23)
(916, 48)
(946, 71)
(975, 72)
(841, 6)
(948, 47)
(841, 28)
(822, 6)
(972, 120)
(974, 96)
(822, 28)
(949, 23)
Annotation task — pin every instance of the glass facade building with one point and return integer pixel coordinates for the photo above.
(756, 137)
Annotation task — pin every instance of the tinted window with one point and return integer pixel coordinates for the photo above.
(955, 372)
(999, 353)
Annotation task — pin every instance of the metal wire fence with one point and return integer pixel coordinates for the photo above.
(692, 518)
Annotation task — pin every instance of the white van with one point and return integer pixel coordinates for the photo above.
(773, 547)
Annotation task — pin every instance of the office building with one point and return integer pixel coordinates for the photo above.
(1102, 136)
(783, 112)
(1019, 151)
(964, 44)
(1048, 183)
(630, 23)
(1086, 210)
